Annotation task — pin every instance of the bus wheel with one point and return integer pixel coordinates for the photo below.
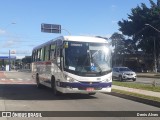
(53, 86)
(37, 82)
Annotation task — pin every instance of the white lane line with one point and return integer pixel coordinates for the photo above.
(28, 79)
(19, 79)
(3, 79)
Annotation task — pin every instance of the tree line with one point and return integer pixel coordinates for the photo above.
(141, 31)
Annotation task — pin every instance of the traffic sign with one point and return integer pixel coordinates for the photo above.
(50, 28)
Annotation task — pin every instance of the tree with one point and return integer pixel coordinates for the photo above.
(117, 42)
(122, 45)
(143, 36)
(27, 59)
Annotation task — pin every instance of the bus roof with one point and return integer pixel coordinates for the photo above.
(75, 38)
(85, 39)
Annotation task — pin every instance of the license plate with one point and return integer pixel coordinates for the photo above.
(89, 89)
(130, 77)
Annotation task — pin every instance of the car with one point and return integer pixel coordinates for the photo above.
(123, 73)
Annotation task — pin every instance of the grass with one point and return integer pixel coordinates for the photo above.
(137, 95)
(137, 86)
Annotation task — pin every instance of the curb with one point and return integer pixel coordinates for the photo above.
(137, 99)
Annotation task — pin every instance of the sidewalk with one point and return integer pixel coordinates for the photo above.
(138, 91)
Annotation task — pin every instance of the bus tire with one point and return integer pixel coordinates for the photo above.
(53, 87)
(39, 85)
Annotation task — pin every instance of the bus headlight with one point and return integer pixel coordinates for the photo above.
(107, 79)
(110, 79)
(69, 79)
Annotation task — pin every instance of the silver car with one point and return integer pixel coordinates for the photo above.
(123, 73)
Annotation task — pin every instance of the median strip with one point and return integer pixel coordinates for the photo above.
(137, 86)
(147, 94)
(150, 100)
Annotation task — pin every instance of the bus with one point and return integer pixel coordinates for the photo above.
(73, 64)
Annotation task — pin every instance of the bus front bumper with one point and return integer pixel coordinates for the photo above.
(84, 87)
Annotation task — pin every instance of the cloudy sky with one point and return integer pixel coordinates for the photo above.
(20, 23)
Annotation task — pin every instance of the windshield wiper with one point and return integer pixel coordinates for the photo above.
(87, 58)
(94, 61)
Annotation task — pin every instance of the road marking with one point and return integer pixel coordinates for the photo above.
(19, 79)
(16, 81)
(3, 79)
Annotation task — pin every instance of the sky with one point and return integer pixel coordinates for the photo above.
(20, 20)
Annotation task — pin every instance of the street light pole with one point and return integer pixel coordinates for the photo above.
(9, 60)
(12, 23)
(155, 60)
(153, 27)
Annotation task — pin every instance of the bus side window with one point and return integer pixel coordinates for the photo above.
(47, 53)
(33, 56)
(42, 54)
(52, 52)
(55, 52)
(58, 52)
(38, 55)
(59, 56)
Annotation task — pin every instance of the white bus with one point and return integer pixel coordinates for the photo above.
(73, 64)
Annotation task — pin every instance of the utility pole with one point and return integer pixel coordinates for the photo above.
(155, 60)
(9, 60)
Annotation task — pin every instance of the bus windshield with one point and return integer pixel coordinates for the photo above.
(85, 58)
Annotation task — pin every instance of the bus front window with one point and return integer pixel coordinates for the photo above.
(101, 58)
(83, 58)
(74, 55)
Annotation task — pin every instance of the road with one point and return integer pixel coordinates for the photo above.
(20, 94)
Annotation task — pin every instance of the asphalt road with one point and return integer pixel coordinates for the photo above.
(26, 97)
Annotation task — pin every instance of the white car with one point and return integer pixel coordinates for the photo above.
(123, 73)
